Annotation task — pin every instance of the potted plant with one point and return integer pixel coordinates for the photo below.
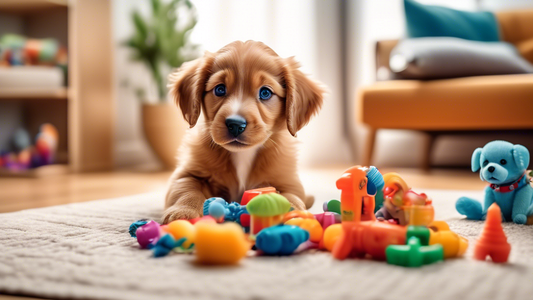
(161, 42)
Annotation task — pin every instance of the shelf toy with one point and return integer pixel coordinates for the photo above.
(266, 210)
(18, 50)
(220, 243)
(503, 165)
(414, 254)
(492, 242)
(25, 156)
(281, 239)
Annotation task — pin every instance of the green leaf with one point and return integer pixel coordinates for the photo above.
(140, 25)
(159, 41)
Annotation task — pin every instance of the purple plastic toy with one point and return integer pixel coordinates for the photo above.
(148, 234)
(327, 218)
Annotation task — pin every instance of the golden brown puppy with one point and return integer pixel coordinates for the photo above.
(252, 101)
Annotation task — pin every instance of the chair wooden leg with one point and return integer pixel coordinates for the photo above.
(369, 147)
(428, 149)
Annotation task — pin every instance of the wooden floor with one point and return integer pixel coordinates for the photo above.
(23, 193)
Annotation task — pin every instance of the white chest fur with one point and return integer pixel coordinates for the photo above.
(243, 162)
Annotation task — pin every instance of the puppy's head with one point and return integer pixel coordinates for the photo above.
(500, 162)
(247, 93)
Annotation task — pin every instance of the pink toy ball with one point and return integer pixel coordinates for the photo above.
(148, 234)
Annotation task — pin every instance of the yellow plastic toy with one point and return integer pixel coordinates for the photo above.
(182, 229)
(298, 214)
(222, 244)
(331, 235)
(419, 215)
(454, 245)
(311, 225)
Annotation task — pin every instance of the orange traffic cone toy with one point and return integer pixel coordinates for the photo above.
(492, 241)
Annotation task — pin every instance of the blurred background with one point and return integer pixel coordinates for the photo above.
(94, 73)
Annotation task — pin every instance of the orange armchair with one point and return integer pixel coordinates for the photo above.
(459, 104)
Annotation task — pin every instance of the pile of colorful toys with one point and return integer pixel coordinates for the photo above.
(402, 232)
(24, 155)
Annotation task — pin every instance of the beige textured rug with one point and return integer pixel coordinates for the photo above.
(84, 251)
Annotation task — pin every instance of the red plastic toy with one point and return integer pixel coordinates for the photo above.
(249, 194)
(492, 241)
(362, 237)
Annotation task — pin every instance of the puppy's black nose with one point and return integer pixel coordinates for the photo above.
(491, 169)
(236, 125)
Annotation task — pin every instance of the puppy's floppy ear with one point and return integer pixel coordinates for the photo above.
(304, 97)
(476, 159)
(187, 86)
(521, 156)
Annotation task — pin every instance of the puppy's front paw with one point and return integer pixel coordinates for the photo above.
(298, 205)
(180, 213)
(520, 219)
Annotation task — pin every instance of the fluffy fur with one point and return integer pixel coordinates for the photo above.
(214, 163)
(501, 163)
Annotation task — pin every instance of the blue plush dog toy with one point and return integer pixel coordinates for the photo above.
(503, 165)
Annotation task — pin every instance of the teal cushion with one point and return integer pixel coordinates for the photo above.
(433, 21)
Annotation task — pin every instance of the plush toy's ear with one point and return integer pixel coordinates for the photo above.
(304, 96)
(521, 156)
(187, 86)
(476, 159)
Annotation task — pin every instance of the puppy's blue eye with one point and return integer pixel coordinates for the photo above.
(220, 90)
(265, 93)
(485, 163)
(503, 162)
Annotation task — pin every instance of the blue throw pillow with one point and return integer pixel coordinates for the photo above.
(433, 21)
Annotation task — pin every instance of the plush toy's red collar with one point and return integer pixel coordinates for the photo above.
(507, 188)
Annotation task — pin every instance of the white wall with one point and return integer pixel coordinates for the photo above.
(130, 146)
